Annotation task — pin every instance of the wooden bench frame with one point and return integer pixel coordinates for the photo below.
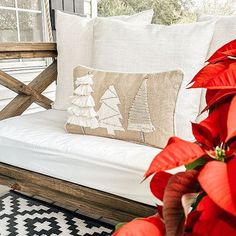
(93, 202)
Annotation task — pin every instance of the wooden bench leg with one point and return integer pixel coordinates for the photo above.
(28, 94)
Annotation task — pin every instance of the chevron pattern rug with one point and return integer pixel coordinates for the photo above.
(25, 216)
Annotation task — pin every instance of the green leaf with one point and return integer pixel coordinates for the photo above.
(119, 225)
(198, 199)
(199, 162)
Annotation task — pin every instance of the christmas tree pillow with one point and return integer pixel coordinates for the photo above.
(132, 107)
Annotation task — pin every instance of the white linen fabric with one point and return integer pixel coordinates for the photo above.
(156, 48)
(144, 17)
(38, 142)
(74, 44)
(225, 31)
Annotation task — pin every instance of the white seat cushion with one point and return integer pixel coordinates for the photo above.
(38, 142)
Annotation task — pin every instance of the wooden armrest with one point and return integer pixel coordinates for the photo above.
(27, 94)
(27, 50)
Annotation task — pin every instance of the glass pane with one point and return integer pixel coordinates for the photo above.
(30, 26)
(8, 27)
(30, 4)
(7, 3)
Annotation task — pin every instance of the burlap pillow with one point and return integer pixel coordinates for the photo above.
(133, 107)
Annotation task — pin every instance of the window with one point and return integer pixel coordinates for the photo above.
(21, 20)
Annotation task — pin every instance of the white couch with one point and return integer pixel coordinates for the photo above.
(38, 142)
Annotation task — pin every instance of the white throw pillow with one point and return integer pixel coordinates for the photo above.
(144, 17)
(155, 48)
(225, 31)
(74, 44)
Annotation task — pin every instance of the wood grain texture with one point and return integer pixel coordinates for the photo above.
(27, 47)
(27, 94)
(27, 50)
(93, 202)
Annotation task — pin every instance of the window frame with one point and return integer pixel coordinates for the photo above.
(20, 64)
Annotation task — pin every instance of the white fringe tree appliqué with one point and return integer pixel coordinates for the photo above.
(109, 115)
(82, 112)
(139, 114)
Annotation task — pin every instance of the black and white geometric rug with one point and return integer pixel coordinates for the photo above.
(24, 216)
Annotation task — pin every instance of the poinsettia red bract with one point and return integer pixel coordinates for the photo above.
(218, 179)
(224, 52)
(212, 136)
(212, 220)
(151, 226)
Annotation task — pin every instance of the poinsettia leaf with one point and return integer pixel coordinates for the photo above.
(228, 49)
(173, 212)
(214, 179)
(191, 221)
(160, 211)
(199, 162)
(215, 123)
(210, 94)
(199, 198)
(218, 96)
(213, 220)
(203, 135)
(216, 76)
(158, 184)
(231, 176)
(224, 80)
(207, 73)
(142, 227)
(119, 225)
(230, 53)
(178, 152)
(231, 121)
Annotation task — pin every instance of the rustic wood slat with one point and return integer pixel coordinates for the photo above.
(41, 82)
(25, 55)
(13, 84)
(16, 107)
(27, 50)
(91, 201)
(67, 201)
(34, 89)
(27, 47)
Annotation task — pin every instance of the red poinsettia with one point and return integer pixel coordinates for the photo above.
(143, 227)
(223, 53)
(202, 200)
(210, 219)
(214, 136)
(219, 76)
(216, 144)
